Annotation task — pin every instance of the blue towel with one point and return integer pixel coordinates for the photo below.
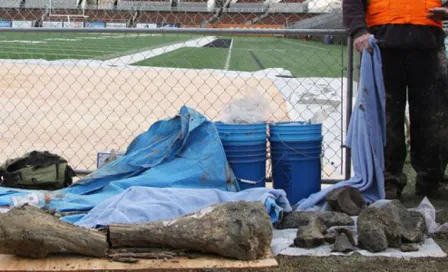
(145, 204)
(366, 135)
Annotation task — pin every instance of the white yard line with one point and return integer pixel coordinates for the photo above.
(229, 55)
(21, 41)
(133, 58)
(304, 45)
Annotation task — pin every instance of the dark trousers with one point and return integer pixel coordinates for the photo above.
(417, 76)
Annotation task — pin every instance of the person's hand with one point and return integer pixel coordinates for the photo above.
(437, 14)
(362, 42)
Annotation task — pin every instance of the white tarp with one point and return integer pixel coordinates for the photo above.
(283, 239)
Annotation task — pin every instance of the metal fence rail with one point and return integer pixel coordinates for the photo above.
(81, 91)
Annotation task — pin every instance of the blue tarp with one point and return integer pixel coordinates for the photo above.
(145, 204)
(366, 135)
(182, 152)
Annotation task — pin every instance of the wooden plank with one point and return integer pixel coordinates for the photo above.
(59, 263)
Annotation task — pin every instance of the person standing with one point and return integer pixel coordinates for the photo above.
(411, 39)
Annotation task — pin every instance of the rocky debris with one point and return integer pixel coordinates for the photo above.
(343, 244)
(338, 231)
(346, 199)
(378, 229)
(295, 220)
(311, 226)
(310, 235)
(413, 226)
(330, 237)
(412, 223)
(408, 248)
(442, 235)
(389, 226)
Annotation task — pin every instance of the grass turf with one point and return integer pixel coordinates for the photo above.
(54, 46)
(301, 58)
(189, 57)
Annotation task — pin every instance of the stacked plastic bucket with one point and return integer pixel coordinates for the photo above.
(296, 149)
(245, 147)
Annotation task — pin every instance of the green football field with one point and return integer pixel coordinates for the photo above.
(302, 58)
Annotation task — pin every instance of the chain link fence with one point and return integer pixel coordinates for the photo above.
(84, 77)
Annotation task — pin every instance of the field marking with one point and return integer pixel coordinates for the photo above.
(116, 54)
(137, 57)
(120, 36)
(22, 41)
(305, 45)
(62, 39)
(229, 55)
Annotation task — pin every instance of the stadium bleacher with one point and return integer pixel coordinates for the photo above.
(187, 12)
(154, 5)
(236, 18)
(10, 3)
(21, 14)
(109, 16)
(184, 18)
(69, 4)
(282, 18)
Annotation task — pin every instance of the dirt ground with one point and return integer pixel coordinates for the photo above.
(361, 263)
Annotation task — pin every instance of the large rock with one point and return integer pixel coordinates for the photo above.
(378, 229)
(413, 226)
(412, 223)
(389, 226)
(347, 200)
(310, 235)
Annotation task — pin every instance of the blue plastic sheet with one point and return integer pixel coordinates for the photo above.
(181, 152)
(366, 135)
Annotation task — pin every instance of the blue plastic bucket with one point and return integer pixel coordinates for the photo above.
(235, 155)
(220, 126)
(295, 127)
(298, 155)
(296, 149)
(296, 145)
(245, 147)
(289, 137)
(250, 172)
(299, 178)
(240, 143)
(238, 135)
(295, 132)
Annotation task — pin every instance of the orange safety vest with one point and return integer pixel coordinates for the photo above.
(384, 12)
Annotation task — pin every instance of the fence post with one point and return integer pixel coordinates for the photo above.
(349, 102)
